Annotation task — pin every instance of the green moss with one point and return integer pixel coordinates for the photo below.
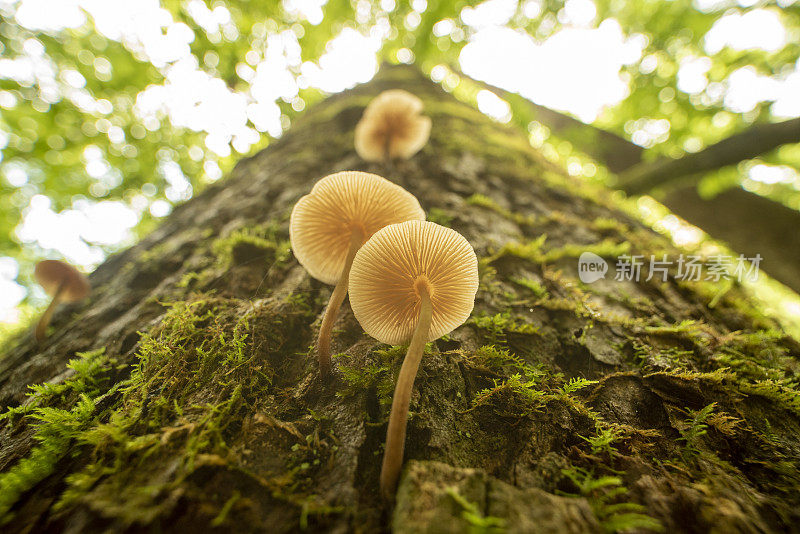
(302, 302)
(312, 508)
(193, 376)
(688, 332)
(496, 326)
(195, 279)
(521, 388)
(374, 374)
(574, 384)
(606, 224)
(606, 495)
(716, 377)
(440, 216)
(514, 397)
(56, 429)
(487, 275)
(449, 111)
(694, 428)
(59, 413)
(90, 378)
(603, 441)
(534, 250)
(264, 242)
(757, 355)
(154, 254)
(473, 134)
(690, 327)
(495, 359)
(782, 395)
(222, 516)
(530, 250)
(483, 201)
(478, 523)
(646, 355)
(535, 287)
(608, 248)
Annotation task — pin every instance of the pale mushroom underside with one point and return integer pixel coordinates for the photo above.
(392, 122)
(386, 268)
(323, 221)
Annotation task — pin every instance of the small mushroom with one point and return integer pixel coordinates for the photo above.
(64, 283)
(414, 280)
(331, 223)
(392, 127)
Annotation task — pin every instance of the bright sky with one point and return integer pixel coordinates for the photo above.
(576, 70)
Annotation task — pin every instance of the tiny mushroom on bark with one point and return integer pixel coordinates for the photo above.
(64, 283)
(411, 281)
(331, 223)
(392, 127)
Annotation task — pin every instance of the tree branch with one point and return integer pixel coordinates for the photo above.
(625, 158)
(756, 140)
(615, 152)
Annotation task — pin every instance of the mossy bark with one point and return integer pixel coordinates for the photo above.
(184, 394)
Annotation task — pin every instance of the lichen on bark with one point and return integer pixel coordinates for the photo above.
(183, 394)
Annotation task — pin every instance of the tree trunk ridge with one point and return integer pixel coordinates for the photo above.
(184, 394)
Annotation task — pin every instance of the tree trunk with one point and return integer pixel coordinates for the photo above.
(192, 401)
(749, 223)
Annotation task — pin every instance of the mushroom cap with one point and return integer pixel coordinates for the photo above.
(51, 274)
(323, 220)
(393, 115)
(395, 261)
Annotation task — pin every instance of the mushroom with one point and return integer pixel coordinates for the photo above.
(414, 280)
(64, 283)
(392, 127)
(331, 223)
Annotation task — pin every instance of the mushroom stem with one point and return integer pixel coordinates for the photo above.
(337, 297)
(396, 432)
(41, 327)
(387, 155)
(387, 159)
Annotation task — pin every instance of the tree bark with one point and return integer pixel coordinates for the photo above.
(195, 402)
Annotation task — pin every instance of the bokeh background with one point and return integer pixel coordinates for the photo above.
(114, 111)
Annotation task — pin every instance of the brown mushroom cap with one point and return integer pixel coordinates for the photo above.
(392, 120)
(51, 274)
(389, 269)
(323, 221)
